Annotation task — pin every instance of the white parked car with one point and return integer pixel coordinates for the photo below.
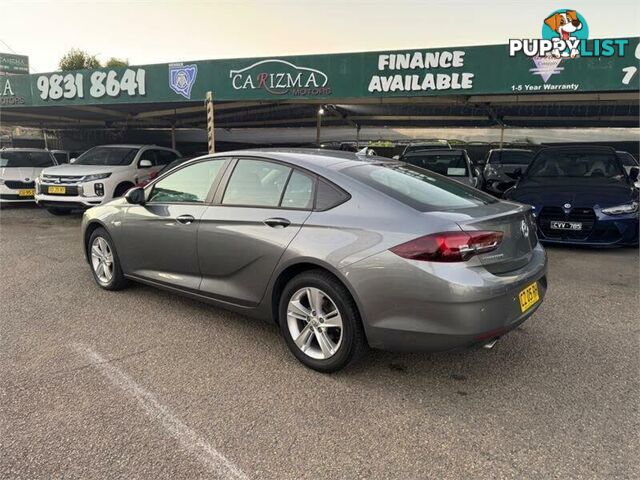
(19, 167)
(99, 175)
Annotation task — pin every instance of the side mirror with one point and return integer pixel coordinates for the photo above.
(476, 171)
(633, 173)
(135, 196)
(396, 157)
(145, 163)
(72, 160)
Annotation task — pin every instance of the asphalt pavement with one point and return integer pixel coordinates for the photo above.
(146, 384)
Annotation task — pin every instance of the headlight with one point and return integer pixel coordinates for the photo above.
(97, 176)
(621, 209)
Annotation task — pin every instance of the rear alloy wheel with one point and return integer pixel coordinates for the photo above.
(320, 322)
(104, 261)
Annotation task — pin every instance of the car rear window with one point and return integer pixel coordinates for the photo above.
(417, 187)
(25, 159)
(499, 157)
(449, 164)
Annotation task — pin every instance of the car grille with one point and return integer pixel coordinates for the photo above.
(58, 179)
(584, 215)
(16, 185)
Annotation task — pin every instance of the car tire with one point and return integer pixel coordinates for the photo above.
(122, 189)
(345, 344)
(109, 276)
(59, 211)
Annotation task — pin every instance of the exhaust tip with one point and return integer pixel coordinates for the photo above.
(491, 344)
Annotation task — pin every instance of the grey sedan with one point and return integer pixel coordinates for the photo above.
(342, 251)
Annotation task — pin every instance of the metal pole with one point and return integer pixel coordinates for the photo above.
(318, 125)
(46, 144)
(210, 124)
(358, 137)
(173, 136)
(501, 135)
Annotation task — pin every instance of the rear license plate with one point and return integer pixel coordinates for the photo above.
(528, 297)
(27, 192)
(555, 225)
(57, 190)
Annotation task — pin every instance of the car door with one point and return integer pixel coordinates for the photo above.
(161, 235)
(254, 218)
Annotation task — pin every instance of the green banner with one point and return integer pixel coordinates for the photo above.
(402, 73)
(13, 64)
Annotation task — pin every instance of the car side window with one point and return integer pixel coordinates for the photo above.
(299, 192)
(190, 184)
(329, 196)
(165, 157)
(256, 183)
(149, 155)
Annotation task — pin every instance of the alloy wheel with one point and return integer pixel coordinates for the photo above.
(102, 260)
(314, 322)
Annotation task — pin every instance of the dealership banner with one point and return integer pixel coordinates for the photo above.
(11, 63)
(609, 65)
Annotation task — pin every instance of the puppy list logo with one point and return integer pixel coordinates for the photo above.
(564, 36)
(182, 77)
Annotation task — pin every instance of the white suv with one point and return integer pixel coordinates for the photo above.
(99, 175)
(19, 167)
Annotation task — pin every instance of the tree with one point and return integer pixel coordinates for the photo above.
(114, 62)
(76, 59)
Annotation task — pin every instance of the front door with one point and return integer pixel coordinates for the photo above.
(241, 240)
(161, 235)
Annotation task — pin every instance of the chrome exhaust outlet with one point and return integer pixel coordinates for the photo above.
(490, 345)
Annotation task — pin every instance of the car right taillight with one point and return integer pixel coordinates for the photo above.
(449, 246)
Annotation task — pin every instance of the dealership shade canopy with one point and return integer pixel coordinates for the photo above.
(461, 86)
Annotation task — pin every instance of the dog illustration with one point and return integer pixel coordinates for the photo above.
(564, 24)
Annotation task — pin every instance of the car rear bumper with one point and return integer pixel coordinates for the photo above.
(428, 306)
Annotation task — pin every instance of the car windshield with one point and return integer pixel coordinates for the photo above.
(510, 157)
(25, 159)
(450, 164)
(627, 159)
(418, 188)
(576, 164)
(111, 156)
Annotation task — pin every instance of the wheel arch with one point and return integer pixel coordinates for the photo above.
(123, 184)
(291, 270)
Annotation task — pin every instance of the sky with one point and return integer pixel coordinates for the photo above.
(172, 30)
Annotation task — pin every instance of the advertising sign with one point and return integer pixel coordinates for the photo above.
(13, 64)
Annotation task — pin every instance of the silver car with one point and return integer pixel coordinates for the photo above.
(340, 250)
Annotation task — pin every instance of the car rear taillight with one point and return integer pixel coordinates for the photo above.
(449, 246)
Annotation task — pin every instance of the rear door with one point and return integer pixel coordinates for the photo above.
(256, 215)
(161, 236)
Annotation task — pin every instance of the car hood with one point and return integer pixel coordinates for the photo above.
(23, 174)
(579, 192)
(70, 169)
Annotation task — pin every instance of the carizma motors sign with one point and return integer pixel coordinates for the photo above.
(279, 77)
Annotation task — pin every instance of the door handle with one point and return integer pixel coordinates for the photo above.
(185, 219)
(277, 222)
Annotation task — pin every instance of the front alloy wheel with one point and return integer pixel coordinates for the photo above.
(102, 260)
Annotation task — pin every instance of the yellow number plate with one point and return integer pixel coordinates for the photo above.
(30, 192)
(57, 190)
(528, 297)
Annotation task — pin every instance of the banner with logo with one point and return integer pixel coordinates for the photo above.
(517, 68)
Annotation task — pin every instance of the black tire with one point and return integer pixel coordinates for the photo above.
(122, 189)
(118, 280)
(58, 211)
(353, 344)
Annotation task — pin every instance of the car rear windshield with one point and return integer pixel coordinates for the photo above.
(25, 159)
(424, 146)
(506, 157)
(417, 187)
(449, 164)
(111, 156)
(577, 164)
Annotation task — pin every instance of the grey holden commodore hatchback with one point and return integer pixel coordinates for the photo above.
(340, 250)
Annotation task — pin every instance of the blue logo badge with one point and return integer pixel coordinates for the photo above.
(182, 78)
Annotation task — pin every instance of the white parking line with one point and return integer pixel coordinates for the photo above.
(189, 439)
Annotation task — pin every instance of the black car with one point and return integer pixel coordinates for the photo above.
(581, 195)
(500, 166)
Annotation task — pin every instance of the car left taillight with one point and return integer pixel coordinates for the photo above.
(449, 246)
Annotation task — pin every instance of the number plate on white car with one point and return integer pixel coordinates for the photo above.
(556, 225)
